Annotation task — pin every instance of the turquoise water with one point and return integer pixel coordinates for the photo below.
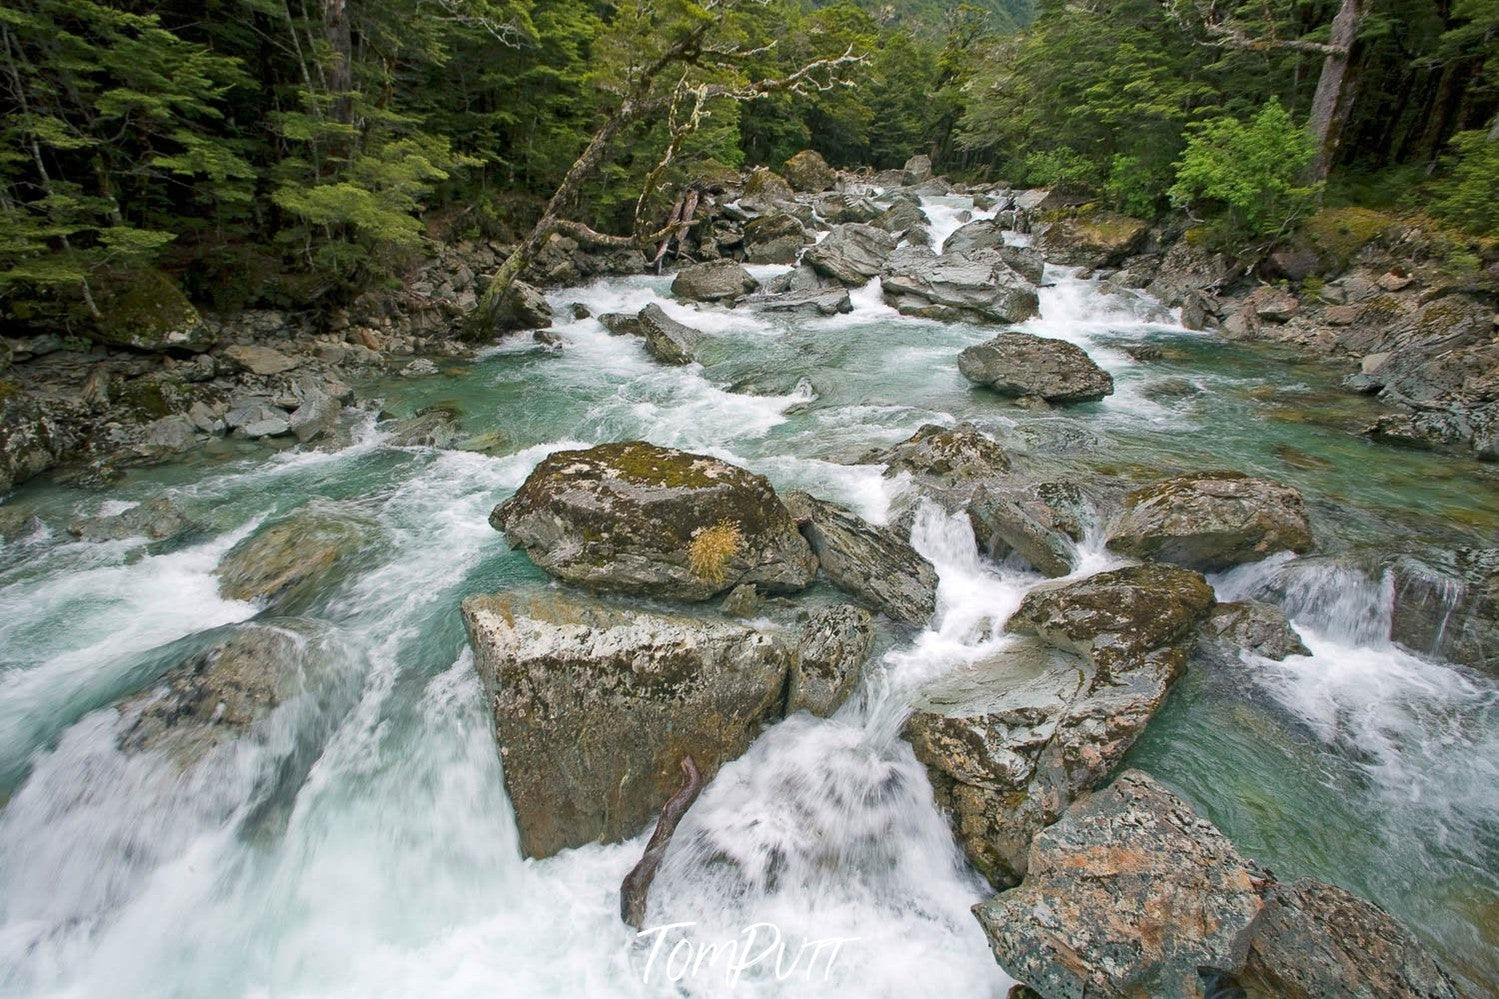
(360, 843)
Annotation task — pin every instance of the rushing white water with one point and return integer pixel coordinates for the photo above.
(359, 842)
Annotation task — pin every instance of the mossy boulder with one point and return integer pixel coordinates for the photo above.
(284, 563)
(637, 518)
(1092, 237)
(594, 707)
(1212, 521)
(766, 187)
(808, 171)
(146, 311)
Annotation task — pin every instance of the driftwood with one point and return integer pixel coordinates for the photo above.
(635, 888)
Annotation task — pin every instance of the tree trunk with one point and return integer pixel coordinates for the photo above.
(1330, 103)
(341, 72)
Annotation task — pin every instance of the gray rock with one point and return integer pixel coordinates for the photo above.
(948, 462)
(249, 411)
(1253, 626)
(742, 601)
(810, 301)
(1212, 521)
(317, 415)
(594, 708)
(1019, 364)
(874, 564)
(667, 340)
(852, 253)
(836, 209)
(260, 360)
(1040, 522)
(833, 648)
(204, 418)
(521, 308)
(904, 219)
(1447, 606)
(918, 169)
(157, 520)
(715, 281)
(422, 367)
(977, 286)
(1131, 894)
(981, 234)
(276, 426)
(653, 521)
(777, 238)
(169, 435)
(622, 324)
(1316, 941)
(1012, 741)
(808, 171)
(285, 561)
(431, 429)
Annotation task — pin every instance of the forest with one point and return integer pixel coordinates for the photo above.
(261, 152)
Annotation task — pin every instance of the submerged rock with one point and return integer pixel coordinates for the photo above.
(156, 520)
(852, 253)
(1040, 522)
(1130, 894)
(833, 648)
(282, 562)
(715, 281)
(1021, 365)
(1212, 521)
(1448, 607)
(594, 708)
(638, 518)
(667, 340)
(1012, 741)
(872, 563)
(961, 287)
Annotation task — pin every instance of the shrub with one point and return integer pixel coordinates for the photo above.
(1248, 174)
(711, 549)
(1465, 197)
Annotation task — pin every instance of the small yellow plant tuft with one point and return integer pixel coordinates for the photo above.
(711, 549)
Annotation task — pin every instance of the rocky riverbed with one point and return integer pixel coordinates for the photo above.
(1026, 631)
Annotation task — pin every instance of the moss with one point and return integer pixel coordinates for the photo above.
(155, 396)
(649, 465)
(1337, 234)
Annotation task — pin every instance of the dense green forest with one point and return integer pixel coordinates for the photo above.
(281, 151)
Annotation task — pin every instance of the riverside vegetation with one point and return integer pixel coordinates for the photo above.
(1011, 487)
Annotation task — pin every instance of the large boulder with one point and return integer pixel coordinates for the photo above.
(1092, 238)
(918, 169)
(1020, 365)
(1130, 895)
(1447, 606)
(147, 311)
(715, 281)
(807, 301)
(594, 708)
(1212, 521)
(904, 220)
(872, 563)
(667, 340)
(1040, 522)
(808, 171)
(1315, 940)
(522, 307)
(1012, 741)
(945, 464)
(963, 287)
(980, 234)
(653, 521)
(765, 188)
(835, 209)
(832, 649)
(31, 440)
(851, 253)
(285, 561)
(776, 238)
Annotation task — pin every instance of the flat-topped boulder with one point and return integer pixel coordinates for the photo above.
(1212, 521)
(714, 281)
(667, 340)
(1019, 365)
(594, 707)
(870, 562)
(976, 286)
(851, 253)
(1011, 741)
(653, 521)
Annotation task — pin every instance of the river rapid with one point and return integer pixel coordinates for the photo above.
(360, 843)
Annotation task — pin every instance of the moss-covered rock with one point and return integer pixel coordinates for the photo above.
(638, 518)
(1091, 237)
(808, 171)
(145, 310)
(1212, 521)
(283, 562)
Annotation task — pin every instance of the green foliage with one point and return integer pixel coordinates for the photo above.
(1250, 174)
(1465, 197)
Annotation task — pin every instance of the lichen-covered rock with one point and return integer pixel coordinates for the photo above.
(872, 563)
(635, 518)
(851, 253)
(714, 281)
(156, 520)
(435, 428)
(147, 311)
(976, 286)
(832, 649)
(1253, 626)
(1129, 895)
(1040, 522)
(807, 301)
(284, 561)
(947, 464)
(765, 187)
(776, 238)
(621, 324)
(1012, 741)
(1448, 607)
(1021, 365)
(980, 234)
(1212, 521)
(667, 340)
(1092, 238)
(30, 440)
(594, 708)
(1317, 941)
(808, 171)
